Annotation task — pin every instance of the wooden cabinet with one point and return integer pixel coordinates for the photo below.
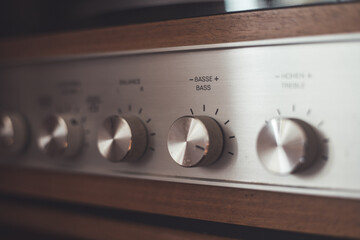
(244, 212)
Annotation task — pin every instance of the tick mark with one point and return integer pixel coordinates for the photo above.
(204, 108)
(231, 153)
(140, 110)
(147, 121)
(308, 112)
(141, 88)
(152, 149)
(200, 147)
(227, 122)
(320, 123)
(192, 113)
(217, 110)
(112, 123)
(232, 137)
(266, 122)
(278, 111)
(130, 108)
(152, 134)
(191, 79)
(293, 108)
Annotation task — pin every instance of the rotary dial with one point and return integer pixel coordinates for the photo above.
(195, 141)
(13, 133)
(60, 135)
(287, 145)
(122, 138)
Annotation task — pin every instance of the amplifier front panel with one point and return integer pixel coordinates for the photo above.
(241, 86)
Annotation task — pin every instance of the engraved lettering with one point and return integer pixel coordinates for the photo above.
(293, 85)
(203, 79)
(203, 87)
(135, 81)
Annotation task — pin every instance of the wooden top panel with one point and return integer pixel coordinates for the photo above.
(290, 22)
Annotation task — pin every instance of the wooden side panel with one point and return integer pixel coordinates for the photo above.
(291, 22)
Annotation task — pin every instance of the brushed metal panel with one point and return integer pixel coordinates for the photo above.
(315, 79)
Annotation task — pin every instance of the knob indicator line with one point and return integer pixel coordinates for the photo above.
(200, 147)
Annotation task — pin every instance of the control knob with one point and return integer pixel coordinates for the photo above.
(122, 138)
(60, 135)
(195, 141)
(13, 133)
(287, 145)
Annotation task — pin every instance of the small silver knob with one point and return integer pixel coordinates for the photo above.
(122, 138)
(60, 135)
(287, 145)
(195, 141)
(13, 133)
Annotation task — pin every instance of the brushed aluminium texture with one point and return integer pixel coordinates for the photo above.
(286, 145)
(59, 135)
(122, 138)
(312, 79)
(195, 141)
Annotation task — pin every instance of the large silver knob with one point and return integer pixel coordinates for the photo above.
(287, 145)
(122, 138)
(13, 133)
(60, 135)
(195, 141)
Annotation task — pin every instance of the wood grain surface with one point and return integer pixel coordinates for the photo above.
(289, 22)
(88, 226)
(299, 213)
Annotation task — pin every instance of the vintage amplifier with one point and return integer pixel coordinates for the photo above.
(237, 125)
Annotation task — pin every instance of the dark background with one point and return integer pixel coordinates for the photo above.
(28, 17)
